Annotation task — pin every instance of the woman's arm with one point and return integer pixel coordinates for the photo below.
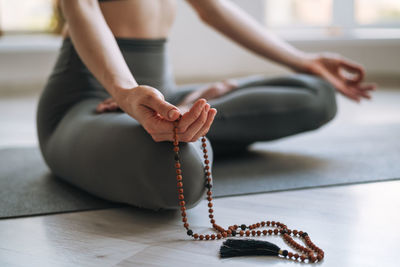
(234, 23)
(96, 45)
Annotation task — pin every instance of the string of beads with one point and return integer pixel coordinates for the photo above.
(236, 230)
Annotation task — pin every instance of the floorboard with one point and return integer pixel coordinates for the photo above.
(356, 225)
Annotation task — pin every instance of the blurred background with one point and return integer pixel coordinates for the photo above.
(367, 31)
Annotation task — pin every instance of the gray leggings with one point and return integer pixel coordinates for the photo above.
(111, 156)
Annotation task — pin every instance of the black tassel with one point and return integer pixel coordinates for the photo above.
(248, 247)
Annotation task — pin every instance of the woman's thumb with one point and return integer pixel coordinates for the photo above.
(165, 109)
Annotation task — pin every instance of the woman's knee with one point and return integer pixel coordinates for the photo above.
(323, 108)
(163, 192)
(327, 107)
(119, 161)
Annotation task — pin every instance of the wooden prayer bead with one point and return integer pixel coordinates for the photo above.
(265, 232)
(280, 227)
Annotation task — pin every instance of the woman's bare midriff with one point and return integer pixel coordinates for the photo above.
(149, 19)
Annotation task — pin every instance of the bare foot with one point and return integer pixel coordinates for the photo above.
(108, 105)
(208, 92)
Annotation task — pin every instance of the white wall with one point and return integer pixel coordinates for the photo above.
(198, 53)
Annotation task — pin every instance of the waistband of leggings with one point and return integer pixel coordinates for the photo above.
(140, 44)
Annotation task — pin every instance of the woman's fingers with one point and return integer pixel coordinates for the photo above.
(365, 89)
(356, 71)
(157, 103)
(340, 86)
(191, 116)
(206, 127)
(194, 128)
(161, 130)
(197, 129)
(364, 86)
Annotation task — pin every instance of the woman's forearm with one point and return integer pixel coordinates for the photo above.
(237, 25)
(96, 45)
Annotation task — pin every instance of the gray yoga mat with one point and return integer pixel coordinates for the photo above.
(28, 188)
(338, 156)
(354, 154)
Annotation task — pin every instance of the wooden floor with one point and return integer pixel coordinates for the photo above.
(355, 225)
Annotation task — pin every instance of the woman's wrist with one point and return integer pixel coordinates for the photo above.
(115, 83)
(304, 62)
(121, 93)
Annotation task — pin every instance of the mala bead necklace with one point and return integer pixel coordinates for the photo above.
(243, 247)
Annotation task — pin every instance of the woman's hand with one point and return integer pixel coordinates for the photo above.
(147, 105)
(346, 76)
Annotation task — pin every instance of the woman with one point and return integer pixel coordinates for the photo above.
(113, 57)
